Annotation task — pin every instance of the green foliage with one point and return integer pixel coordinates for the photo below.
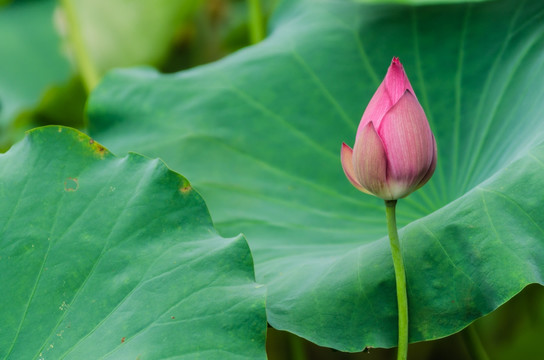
(122, 251)
(30, 63)
(116, 258)
(103, 33)
(259, 135)
(36, 87)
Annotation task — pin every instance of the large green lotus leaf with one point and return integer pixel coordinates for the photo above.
(116, 258)
(30, 57)
(259, 134)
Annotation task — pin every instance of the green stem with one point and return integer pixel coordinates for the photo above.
(297, 347)
(256, 25)
(474, 344)
(88, 71)
(400, 277)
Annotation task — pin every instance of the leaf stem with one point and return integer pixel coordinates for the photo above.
(400, 277)
(474, 344)
(86, 67)
(256, 25)
(297, 348)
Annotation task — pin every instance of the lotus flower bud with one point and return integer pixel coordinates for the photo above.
(395, 151)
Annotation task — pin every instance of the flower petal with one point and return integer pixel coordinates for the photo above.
(429, 172)
(346, 157)
(392, 88)
(396, 82)
(408, 141)
(370, 162)
(376, 109)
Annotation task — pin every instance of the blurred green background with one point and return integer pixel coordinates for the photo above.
(54, 52)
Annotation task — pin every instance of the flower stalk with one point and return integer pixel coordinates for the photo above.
(400, 279)
(473, 343)
(256, 22)
(85, 64)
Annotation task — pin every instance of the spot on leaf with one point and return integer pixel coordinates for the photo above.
(71, 184)
(97, 148)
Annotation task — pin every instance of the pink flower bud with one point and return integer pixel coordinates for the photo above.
(395, 150)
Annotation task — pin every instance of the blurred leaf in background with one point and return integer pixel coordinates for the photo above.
(39, 87)
(31, 62)
(105, 34)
